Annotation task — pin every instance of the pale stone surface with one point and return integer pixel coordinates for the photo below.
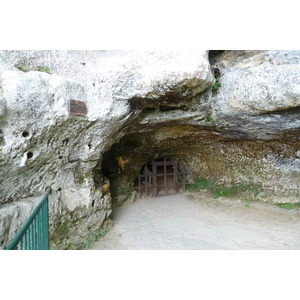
(260, 96)
(42, 145)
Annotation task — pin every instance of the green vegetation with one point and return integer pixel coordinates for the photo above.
(216, 85)
(289, 206)
(81, 179)
(200, 184)
(210, 119)
(25, 68)
(62, 229)
(83, 176)
(91, 242)
(219, 190)
(233, 190)
(94, 239)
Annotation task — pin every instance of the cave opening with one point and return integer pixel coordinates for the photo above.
(161, 177)
(138, 165)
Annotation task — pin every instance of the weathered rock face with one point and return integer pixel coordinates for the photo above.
(43, 145)
(259, 97)
(141, 105)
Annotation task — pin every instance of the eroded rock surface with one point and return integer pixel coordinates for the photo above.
(141, 105)
(260, 95)
(43, 145)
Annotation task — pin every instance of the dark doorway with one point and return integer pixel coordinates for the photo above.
(161, 177)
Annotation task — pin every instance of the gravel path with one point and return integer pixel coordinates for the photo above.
(198, 221)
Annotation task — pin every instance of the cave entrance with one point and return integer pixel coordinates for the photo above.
(161, 177)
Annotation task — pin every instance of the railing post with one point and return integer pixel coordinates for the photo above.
(47, 223)
(34, 234)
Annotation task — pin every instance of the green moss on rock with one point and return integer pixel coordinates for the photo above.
(62, 229)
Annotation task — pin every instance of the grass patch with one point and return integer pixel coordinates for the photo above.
(219, 190)
(288, 206)
(200, 184)
(233, 190)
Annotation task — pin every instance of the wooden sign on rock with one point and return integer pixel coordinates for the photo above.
(77, 108)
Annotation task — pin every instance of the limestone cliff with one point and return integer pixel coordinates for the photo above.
(231, 116)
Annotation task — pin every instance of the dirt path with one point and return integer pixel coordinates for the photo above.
(198, 221)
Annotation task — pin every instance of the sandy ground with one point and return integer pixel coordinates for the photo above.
(197, 221)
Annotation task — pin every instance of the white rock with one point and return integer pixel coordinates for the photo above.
(44, 145)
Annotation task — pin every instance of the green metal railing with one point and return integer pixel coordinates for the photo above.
(34, 234)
